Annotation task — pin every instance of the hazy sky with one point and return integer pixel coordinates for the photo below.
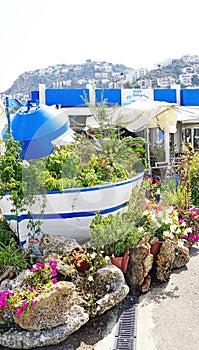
(39, 33)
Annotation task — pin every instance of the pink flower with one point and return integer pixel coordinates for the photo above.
(7, 292)
(181, 221)
(54, 272)
(53, 265)
(24, 304)
(19, 311)
(54, 281)
(39, 265)
(33, 302)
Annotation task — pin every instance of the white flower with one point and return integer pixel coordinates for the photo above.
(93, 255)
(107, 258)
(168, 234)
(140, 229)
(183, 224)
(146, 213)
(173, 228)
(169, 210)
(168, 221)
(186, 230)
(90, 278)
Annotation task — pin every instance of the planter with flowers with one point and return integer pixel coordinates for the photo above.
(39, 279)
(45, 290)
(62, 193)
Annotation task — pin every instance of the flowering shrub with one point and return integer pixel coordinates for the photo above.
(190, 220)
(87, 261)
(163, 224)
(100, 169)
(40, 277)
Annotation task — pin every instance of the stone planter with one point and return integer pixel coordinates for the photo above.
(53, 307)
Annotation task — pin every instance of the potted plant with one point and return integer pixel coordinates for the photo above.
(117, 233)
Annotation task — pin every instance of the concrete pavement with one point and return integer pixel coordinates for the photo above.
(168, 315)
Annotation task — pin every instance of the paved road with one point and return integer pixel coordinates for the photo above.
(168, 315)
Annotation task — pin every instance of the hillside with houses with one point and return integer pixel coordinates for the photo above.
(183, 71)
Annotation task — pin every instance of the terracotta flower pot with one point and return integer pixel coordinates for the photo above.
(121, 262)
(155, 248)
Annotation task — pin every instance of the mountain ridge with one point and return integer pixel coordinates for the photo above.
(105, 74)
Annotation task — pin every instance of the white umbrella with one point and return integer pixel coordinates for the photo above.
(143, 114)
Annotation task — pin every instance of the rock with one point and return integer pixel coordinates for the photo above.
(57, 243)
(8, 274)
(165, 260)
(110, 281)
(147, 264)
(53, 308)
(140, 263)
(84, 346)
(15, 283)
(146, 285)
(24, 339)
(182, 256)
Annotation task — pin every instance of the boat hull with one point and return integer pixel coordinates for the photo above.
(70, 212)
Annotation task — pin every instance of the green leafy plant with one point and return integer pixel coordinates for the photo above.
(6, 233)
(118, 232)
(19, 179)
(13, 255)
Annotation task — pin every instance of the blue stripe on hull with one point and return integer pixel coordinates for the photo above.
(64, 215)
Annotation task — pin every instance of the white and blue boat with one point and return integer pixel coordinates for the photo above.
(70, 212)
